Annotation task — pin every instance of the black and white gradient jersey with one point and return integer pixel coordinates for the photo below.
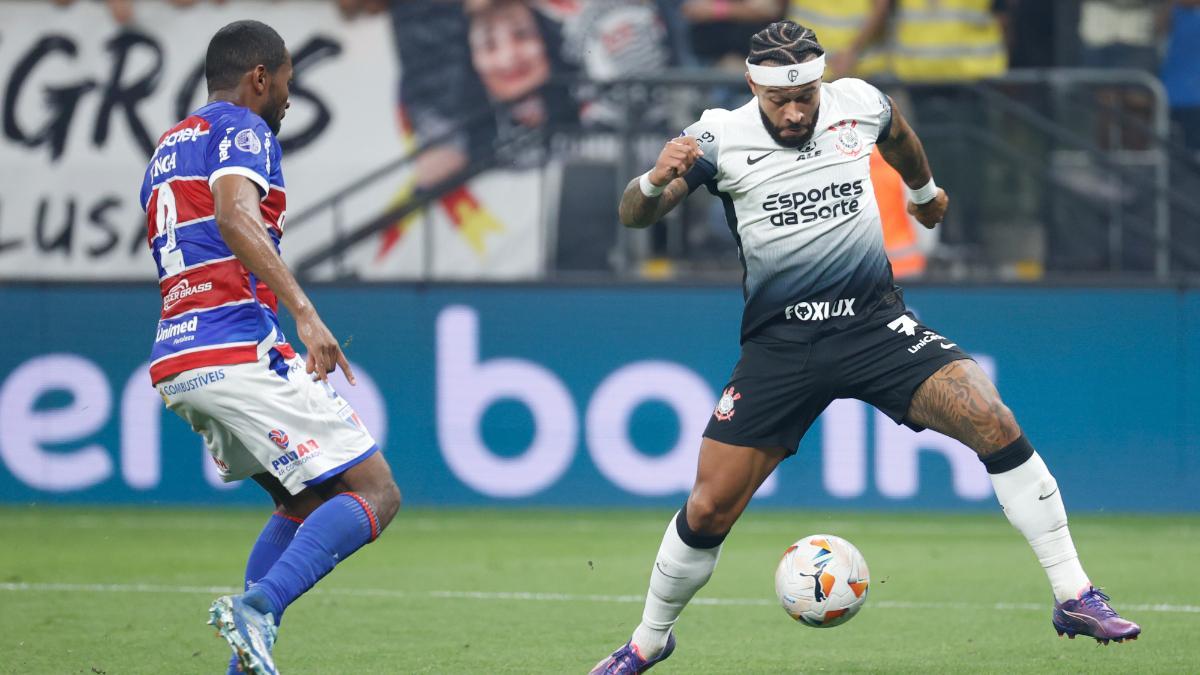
(805, 219)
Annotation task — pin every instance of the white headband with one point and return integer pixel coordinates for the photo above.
(787, 76)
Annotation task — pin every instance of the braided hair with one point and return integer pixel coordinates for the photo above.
(784, 43)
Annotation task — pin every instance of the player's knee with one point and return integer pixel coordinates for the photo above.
(706, 515)
(384, 498)
(389, 502)
(300, 506)
(1002, 427)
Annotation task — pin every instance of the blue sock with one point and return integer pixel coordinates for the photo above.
(338, 528)
(272, 542)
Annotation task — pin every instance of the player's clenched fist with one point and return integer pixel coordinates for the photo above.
(931, 212)
(676, 159)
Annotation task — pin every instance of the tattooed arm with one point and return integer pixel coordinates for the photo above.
(903, 150)
(675, 160)
(638, 210)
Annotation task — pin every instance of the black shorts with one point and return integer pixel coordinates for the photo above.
(781, 385)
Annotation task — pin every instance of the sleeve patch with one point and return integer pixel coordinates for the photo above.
(247, 141)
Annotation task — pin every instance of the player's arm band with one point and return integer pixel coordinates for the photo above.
(650, 189)
(923, 194)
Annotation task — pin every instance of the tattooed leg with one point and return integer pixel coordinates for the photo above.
(961, 402)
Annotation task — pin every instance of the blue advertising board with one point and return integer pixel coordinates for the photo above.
(597, 396)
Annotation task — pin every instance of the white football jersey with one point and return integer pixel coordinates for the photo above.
(805, 219)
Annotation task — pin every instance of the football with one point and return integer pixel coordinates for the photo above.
(822, 581)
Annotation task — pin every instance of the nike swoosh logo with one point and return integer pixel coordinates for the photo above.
(660, 571)
(1045, 497)
(949, 345)
(755, 160)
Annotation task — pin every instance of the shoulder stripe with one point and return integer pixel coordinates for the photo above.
(253, 175)
(205, 348)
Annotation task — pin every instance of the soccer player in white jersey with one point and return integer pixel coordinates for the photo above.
(823, 320)
(215, 201)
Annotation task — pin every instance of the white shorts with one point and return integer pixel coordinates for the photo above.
(270, 417)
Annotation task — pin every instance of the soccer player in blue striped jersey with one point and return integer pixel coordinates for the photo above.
(215, 201)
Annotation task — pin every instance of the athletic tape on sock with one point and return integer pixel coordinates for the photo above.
(693, 538)
(1009, 457)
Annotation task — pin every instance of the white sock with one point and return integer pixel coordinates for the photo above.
(1033, 504)
(679, 571)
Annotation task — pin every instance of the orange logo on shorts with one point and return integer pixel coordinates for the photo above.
(724, 411)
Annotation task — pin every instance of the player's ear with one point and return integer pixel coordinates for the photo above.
(750, 82)
(260, 78)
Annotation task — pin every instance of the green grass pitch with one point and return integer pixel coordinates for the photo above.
(116, 591)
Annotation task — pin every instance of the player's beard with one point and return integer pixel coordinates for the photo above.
(790, 142)
(273, 116)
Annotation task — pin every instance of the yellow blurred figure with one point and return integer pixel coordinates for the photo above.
(947, 40)
(851, 31)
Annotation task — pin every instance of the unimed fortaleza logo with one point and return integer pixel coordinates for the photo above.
(179, 330)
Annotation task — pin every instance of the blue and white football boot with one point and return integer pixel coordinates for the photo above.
(249, 632)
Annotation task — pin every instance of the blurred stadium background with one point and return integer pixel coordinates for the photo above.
(453, 173)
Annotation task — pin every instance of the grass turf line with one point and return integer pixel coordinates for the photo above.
(430, 595)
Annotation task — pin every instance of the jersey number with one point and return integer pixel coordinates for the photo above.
(165, 217)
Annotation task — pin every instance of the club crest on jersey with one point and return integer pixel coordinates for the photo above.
(247, 141)
(848, 141)
(724, 411)
(279, 437)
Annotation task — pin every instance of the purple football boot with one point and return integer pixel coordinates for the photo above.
(627, 660)
(1090, 615)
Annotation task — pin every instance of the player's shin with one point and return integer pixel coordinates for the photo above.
(1032, 502)
(333, 532)
(685, 561)
(274, 539)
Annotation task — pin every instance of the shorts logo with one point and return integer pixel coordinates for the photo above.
(221, 465)
(350, 417)
(724, 411)
(927, 337)
(198, 382)
(904, 324)
(247, 141)
(279, 437)
(288, 461)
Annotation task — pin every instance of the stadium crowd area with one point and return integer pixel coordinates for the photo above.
(926, 54)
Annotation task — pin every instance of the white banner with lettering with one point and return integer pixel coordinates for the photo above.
(85, 100)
